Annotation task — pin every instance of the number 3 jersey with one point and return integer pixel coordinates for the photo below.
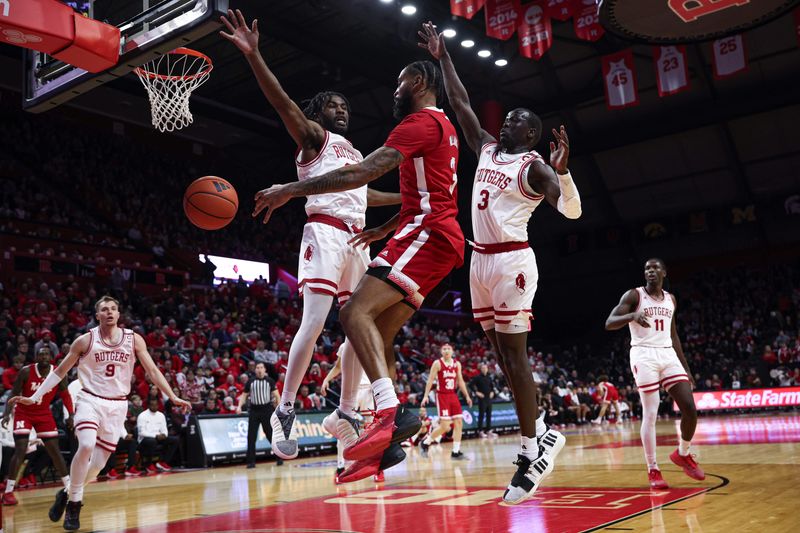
(502, 199)
(105, 370)
(659, 315)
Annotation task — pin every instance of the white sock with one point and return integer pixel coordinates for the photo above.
(456, 446)
(653, 466)
(383, 390)
(427, 440)
(65, 481)
(287, 402)
(339, 454)
(541, 427)
(529, 447)
(683, 447)
(10, 485)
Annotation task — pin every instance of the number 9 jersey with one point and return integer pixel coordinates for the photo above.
(105, 370)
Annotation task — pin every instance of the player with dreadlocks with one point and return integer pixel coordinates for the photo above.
(427, 245)
(329, 267)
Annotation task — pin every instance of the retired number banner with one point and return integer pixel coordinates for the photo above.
(619, 80)
(535, 31)
(501, 18)
(466, 8)
(586, 20)
(729, 56)
(672, 70)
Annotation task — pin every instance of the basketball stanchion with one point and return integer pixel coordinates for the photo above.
(170, 80)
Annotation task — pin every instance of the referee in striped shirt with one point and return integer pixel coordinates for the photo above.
(261, 392)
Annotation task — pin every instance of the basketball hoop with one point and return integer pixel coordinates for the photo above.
(170, 80)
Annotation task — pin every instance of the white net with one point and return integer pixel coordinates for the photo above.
(169, 81)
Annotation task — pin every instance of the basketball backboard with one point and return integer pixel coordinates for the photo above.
(149, 28)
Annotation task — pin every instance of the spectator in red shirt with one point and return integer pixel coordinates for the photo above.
(303, 401)
(10, 375)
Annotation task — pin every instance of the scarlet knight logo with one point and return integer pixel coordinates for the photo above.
(520, 282)
(309, 253)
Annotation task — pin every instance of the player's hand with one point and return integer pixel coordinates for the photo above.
(270, 200)
(238, 409)
(469, 401)
(559, 155)
(639, 318)
(691, 380)
(367, 237)
(245, 38)
(24, 400)
(433, 41)
(183, 405)
(70, 424)
(323, 388)
(423, 402)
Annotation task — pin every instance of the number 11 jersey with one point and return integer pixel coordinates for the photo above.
(659, 315)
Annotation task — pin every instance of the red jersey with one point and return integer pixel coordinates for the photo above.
(611, 394)
(447, 377)
(30, 386)
(428, 179)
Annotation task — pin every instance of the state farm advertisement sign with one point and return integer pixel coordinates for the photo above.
(745, 399)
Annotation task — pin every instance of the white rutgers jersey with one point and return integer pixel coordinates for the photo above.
(106, 370)
(349, 206)
(502, 199)
(659, 316)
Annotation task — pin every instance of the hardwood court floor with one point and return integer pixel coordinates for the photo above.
(752, 464)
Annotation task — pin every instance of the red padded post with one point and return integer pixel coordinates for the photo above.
(43, 25)
(95, 47)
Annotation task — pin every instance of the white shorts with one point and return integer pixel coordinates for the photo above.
(328, 264)
(107, 417)
(502, 286)
(365, 400)
(656, 367)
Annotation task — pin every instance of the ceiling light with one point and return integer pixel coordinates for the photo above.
(449, 33)
(484, 53)
(501, 62)
(387, 1)
(408, 9)
(467, 43)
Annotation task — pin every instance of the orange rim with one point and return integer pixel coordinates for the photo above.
(179, 51)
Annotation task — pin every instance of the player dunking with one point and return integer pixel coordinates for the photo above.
(37, 417)
(657, 361)
(510, 183)
(107, 354)
(447, 373)
(328, 266)
(427, 245)
(609, 395)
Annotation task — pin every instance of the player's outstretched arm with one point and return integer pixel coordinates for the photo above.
(625, 312)
(379, 198)
(433, 42)
(676, 343)
(16, 390)
(306, 133)
(53, 379)
(555, 181)
(345, 178)
(429, 383)
(140, 347)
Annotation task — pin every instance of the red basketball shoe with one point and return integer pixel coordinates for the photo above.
(689, 465)
(656, 481)
(373, 466)
(9, 498)
(389, 426)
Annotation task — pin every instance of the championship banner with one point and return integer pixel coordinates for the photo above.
(535, 31)
(729, 56)
(672, 70)
(745, 399)
(586, 20)
(619, 80)
(466, 8)
(501, 18)
(558, 9)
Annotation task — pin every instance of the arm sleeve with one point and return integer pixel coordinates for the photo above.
(66, 397)
(414, 134)
(569, 203)
(51, 381)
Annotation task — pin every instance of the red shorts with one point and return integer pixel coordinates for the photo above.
(418, 261)
(611, 395)
(43, 423)
(448, 406)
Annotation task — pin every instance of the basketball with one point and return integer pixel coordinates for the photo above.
(210, 202)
